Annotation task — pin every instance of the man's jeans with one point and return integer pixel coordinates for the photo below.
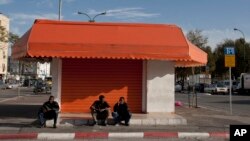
(47, 116)
(117, 118)
(103, 116)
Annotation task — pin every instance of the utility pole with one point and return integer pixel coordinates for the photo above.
(60, 10)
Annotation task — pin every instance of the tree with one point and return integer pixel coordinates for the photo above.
(7, 37)
(210, 59)
(241, 64)
(13, 38)
(196, 37)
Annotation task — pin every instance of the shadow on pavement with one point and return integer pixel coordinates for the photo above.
(19, 111)
(18, 125)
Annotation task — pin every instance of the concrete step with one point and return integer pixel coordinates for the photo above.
(153, 119)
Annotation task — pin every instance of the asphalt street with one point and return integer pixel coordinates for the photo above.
(12, 93)
(5, 94)
(240, 103)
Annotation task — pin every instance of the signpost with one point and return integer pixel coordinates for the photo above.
(230, 62)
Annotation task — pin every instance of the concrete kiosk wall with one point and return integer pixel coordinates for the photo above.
(56, 67)
(160, 86)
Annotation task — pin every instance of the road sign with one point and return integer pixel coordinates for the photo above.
(229, 56)
(229, 51)
(229, 60)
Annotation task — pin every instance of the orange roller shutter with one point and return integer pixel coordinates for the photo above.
(83, 80)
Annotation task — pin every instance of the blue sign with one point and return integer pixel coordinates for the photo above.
(229, 51)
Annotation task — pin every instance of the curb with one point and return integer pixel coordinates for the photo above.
(109, 135)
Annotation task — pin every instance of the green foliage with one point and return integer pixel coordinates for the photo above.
(216, 62)
(211, 59)
(7, 37)
(13, 38)
(196, 37)
(242, 65)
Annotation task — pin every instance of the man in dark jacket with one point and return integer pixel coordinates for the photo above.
(100, 110)
(121, 112)
(49, 110)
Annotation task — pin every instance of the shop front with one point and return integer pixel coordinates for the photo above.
(136, 61)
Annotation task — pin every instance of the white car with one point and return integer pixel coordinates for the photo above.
(216, 89)
(227, 84)
(11, 86)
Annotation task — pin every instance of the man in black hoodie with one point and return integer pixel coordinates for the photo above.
(121, 112)
(49, 110)
(100, 110)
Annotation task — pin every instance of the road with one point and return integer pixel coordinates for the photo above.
(13, 93)
(241, 103)
(9, 93)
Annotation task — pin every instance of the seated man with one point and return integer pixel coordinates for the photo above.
(100, 110)
(49, 110)
(121, 112)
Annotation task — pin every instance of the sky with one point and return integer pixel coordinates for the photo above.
(216, 18)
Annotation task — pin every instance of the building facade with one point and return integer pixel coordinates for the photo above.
(23, 69)
(4, 22)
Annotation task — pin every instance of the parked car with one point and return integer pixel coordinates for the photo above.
(29, 82)
(177, 88)
(227, 84)
(39, 87)
(199, 87)
(2, 85)
(12, 85)
(216, 89)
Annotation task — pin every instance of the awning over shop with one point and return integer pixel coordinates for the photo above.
(65, 39)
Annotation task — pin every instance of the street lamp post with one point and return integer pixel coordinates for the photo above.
(59, 10)
(236, 29)
(91, 19)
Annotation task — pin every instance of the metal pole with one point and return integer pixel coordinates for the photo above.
(189, 105)
(18, 90)
(193, 94)
(60, 10)
(230, 91)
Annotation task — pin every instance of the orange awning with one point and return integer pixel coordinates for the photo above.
(65, 39)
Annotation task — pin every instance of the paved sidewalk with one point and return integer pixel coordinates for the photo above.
(18, 116)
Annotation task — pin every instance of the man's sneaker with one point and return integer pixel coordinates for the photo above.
(54, 126)
(117, 124)
(126, 124)
(105, 123)
(42, 126)
(95, 123)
